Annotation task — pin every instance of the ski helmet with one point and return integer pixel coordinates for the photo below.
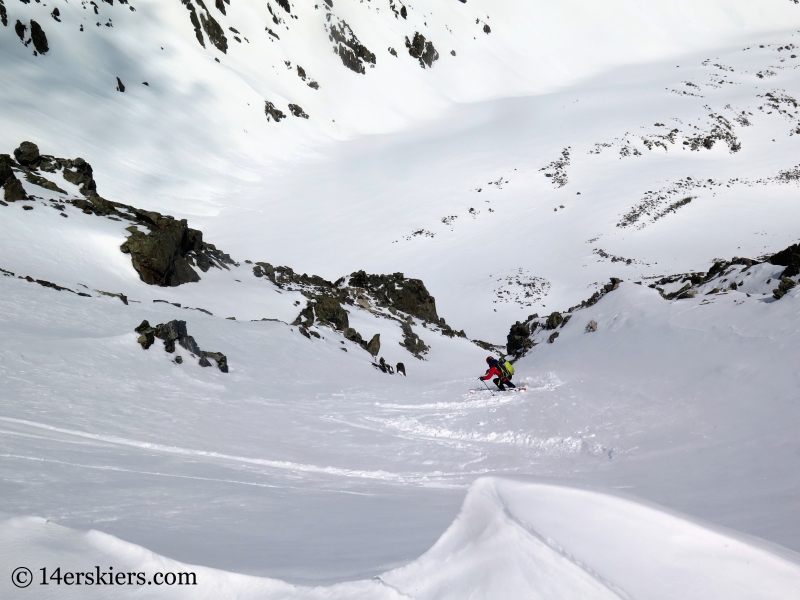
(489, 359)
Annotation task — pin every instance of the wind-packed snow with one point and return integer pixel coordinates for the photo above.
(655, 457)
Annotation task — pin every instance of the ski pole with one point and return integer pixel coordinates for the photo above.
(487, 387)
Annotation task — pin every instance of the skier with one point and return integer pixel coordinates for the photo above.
(502, 371)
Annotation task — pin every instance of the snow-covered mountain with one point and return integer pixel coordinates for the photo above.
(327, 215)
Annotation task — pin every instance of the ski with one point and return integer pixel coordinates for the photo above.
(516, 389)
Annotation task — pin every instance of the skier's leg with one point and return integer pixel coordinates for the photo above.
(499, 384)
(509, 384)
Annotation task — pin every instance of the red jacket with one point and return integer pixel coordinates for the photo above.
(493, 372)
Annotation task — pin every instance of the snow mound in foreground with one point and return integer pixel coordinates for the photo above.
(512, 539)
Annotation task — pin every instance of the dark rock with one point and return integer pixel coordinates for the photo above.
(222, 360)
(204, 362)
(13, 190)
(518, 340)
(120, 85)
(395, 291)
(374, 345)
(789, 258)
(146, 339)
(159, 256)
(79, 172)
(422, 50)
(39, 38)
(350, 50)
(143, 326)
(554, 320)
(284, 4)
(179, 359)
(392, 51)
(214, 31)
(401, 368)
(486, 28)
(6, 172)
(330, 312)
(27, 154)
(27, 207)
(195, 22)
(412, 342)
(221, 6)
(352, 335)
(20, 28)
(3, 15)
(784, 286)
(297, 111)
(271, 111)
(552, 337)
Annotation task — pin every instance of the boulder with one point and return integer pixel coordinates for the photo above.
(39, 38)
(401, 368)
(554, 320)
(591, 326)
(518, 339)
(27, 154)
(374, 345)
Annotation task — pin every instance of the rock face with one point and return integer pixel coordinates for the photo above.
(789, 258)
(175, 331)
(297, 111)
(160, 256)
(412, 342)
(12, 187)
(272, 112)
(39, 38)
(164, 252)
(395, 291)
(352, 52)
(591, 326)
(519, 339)
(422, 50)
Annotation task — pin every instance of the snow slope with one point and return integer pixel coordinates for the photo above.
(512, 539)
(515, 177)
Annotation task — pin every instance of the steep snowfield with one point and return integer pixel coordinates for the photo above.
(571, 143)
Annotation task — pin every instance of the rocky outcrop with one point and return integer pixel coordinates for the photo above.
(164, 251)
(397, 292)
(272, 112)
(422, 50)
(297, 111)
(518, 340)
(784, 286)
(412, 342)
(175, 331)
(39, 38)
(12, 187)
(353, 53)
(789, 258)
(554, 320)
